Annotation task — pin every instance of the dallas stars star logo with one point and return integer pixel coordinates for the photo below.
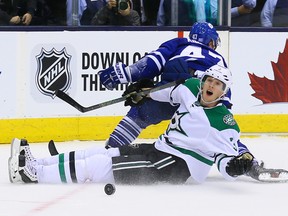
(175, 123)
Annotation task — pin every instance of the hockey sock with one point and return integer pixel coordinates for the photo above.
(124, 133)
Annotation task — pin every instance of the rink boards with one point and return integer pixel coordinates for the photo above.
(34, 64)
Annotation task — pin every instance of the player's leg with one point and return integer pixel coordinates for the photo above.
(143, 164)
(96, 168)
(79, 155)
(93, 165)
(137, 119)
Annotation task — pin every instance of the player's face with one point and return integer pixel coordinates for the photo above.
(212, 89)
(212, 45)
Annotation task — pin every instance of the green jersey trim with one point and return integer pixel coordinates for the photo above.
(221, 119)
(194, 155)
(61, 168)
(193, 85)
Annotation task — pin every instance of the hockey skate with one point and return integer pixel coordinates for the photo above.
(259, 173)
(13, 161)
(20, 163)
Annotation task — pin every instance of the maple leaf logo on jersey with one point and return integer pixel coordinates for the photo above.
(272, 91)
(53, 71)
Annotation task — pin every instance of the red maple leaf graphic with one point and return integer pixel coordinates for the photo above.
(272, 91)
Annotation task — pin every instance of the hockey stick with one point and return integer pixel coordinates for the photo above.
(62, 95)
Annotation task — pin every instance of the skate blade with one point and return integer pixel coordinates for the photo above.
(281, 176)
(13, 161)
(13, 164)
(15, 147)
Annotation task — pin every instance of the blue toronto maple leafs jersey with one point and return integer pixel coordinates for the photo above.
(198, 57)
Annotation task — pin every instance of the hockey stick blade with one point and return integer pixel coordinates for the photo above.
(52, 148)
(65, 97)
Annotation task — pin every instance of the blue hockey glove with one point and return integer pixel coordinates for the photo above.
(239, 165)
(135, 100)
(114, 75)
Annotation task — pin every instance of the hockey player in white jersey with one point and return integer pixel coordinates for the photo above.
(202, 132)
(174, 59)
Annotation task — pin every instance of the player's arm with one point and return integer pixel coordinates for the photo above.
(233, 166)
(137, 87)
(148, 67)
(170, 93)
(176, 69)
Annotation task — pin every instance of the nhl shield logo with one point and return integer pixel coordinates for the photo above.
(53, 71)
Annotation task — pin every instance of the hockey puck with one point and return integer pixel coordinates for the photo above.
(109, 189)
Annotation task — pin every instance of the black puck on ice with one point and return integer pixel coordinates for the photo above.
(109, 189)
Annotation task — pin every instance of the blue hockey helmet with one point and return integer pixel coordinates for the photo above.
(204, 32)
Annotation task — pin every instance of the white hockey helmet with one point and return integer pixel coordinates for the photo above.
(220, 73)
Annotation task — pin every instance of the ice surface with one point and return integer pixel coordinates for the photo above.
(244, 197)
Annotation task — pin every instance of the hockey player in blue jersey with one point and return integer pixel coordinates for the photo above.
(179, 58)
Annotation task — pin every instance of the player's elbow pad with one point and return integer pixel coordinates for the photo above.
(145, 68)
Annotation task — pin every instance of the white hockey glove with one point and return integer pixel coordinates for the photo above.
(114, 75)
(239, 165)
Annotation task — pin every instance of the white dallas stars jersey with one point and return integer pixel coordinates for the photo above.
(201, 136)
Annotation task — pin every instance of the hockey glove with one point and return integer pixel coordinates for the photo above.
(246, 155)
(114, 75)
(239, 165)
(133, 89)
